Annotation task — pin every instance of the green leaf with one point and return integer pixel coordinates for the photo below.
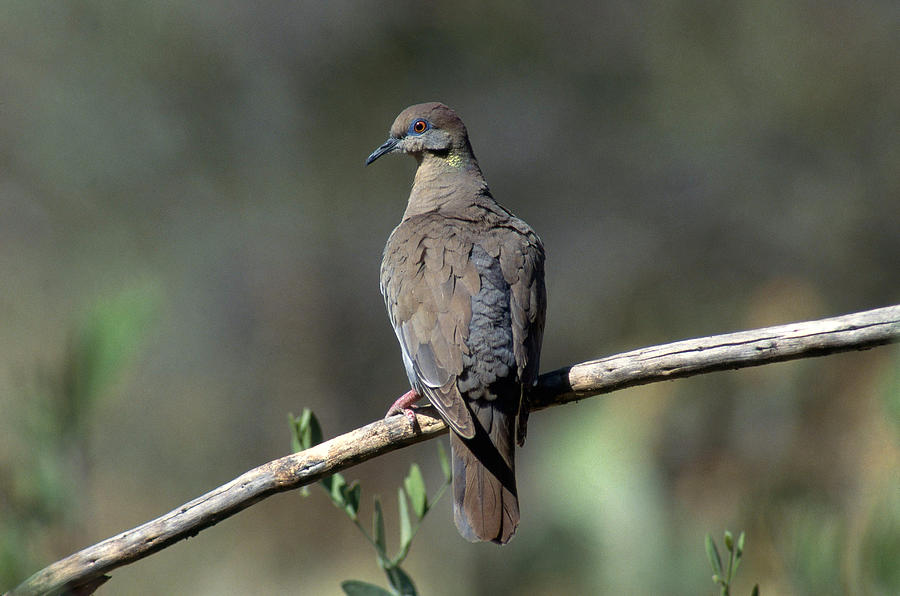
(378, 530)
(315, 430)
(729, 541)
(755, 591)
(310, 432)
(335, 485)
(327, 482)
(713, 554)
(306, 431)
(740, 544)
(354, 587)
(405, 526)
(415, 488)
(445, 461)
(351, 499)
(401, 582)
(737, 563)
(294, 422)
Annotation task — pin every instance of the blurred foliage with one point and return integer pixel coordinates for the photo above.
(881, 542)
(692, 167)
(44, 496)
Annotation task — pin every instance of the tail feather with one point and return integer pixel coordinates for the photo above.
(486, 504)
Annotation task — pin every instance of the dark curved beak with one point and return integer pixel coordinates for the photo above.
(386, 148)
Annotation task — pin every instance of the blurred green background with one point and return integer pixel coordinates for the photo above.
(189, 250)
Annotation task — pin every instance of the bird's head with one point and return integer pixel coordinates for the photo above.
(426, 128)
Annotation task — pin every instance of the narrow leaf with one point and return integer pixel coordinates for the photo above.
(315, 430)
(415, 488)
(755, 591)
(351, 498)
(713, 554)
(445, 461)
(303, 427)
(335, 485)
(401, 582)
(305, 430)
(738, 553)
(378, 529)
(354, 587)
(312, 431)
(405, 526)
(294, 422)
(729, 541)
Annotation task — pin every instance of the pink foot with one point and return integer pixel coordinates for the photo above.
(404, 405)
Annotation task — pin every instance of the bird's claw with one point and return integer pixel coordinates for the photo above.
(404, 405)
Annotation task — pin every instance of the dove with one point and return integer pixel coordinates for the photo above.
(463, 282)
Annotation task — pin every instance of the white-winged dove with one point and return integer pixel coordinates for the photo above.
(463, 281)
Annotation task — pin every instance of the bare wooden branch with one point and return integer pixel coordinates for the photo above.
(87, 568)
(857, 331)
(293, 471)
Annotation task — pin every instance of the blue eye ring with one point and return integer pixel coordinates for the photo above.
(418, 127)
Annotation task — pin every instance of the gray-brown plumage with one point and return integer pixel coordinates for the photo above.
(463, 281)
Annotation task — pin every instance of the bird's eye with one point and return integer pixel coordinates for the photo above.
(419, 126)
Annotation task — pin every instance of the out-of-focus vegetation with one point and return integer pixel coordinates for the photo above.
(192, 173)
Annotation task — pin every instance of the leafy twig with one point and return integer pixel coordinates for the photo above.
(306, 433)
(723, 577)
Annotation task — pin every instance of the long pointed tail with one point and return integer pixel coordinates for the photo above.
(485, 501)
